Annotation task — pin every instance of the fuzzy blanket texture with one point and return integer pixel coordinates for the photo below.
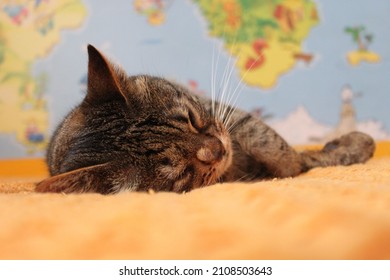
(327, 213)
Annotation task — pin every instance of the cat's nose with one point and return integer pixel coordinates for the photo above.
(212, 151)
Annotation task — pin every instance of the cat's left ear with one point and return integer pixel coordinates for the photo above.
(103, 178)
(104, 79)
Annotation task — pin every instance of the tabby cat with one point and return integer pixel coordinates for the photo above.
(141, 132)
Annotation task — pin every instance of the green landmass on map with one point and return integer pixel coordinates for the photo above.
(266, 36)
(363, 40)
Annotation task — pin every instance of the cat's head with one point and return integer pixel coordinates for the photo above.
(147, 123)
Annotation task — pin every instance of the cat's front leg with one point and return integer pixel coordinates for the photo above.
(351, 148)
(259, 152)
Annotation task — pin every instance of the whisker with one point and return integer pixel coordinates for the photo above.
(246, 178)
(217, 91)
(225, 82)
(233, 108)
(232, 97)
(213, 76)
(229, 97)
(222, 86)
(239, 88)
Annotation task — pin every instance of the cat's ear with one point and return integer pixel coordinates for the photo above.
(102, 178)
(76, 181)
(104, 79)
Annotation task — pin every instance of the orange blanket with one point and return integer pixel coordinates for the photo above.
(328, 213)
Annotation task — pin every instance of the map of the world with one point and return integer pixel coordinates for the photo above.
(311, 69)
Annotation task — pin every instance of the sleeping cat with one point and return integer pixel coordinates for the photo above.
(141, 132)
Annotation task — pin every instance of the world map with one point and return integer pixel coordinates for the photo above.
(266, 40)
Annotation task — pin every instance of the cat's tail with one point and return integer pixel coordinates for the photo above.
(354, 147)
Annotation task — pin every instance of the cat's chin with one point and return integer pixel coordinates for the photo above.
(215, 172)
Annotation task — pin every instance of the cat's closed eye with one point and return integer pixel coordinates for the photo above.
(194, 122)
(180, 118)
(190, 119)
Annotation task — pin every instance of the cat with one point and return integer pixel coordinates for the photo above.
(136, 133)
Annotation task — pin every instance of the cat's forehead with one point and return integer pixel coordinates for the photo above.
(150, 84)
(159, 89)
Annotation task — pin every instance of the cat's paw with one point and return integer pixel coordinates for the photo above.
(354, 147)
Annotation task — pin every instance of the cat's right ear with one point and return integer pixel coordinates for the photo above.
(104, 79)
